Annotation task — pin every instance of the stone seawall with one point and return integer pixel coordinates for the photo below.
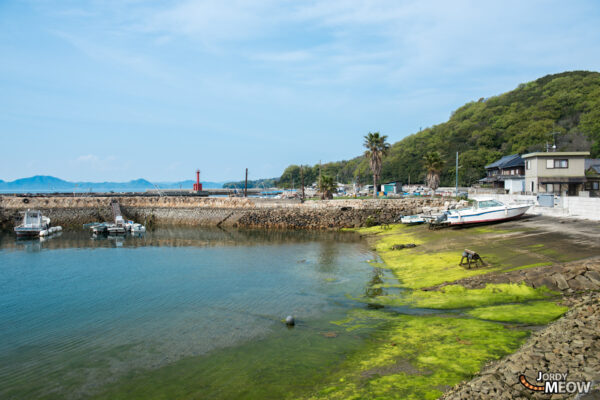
(227, 212)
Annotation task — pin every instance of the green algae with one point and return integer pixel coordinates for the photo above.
(418, 357)
(417, 268)
(503, 247)
(540, 264)
(539, 312)
(457, 296)
(414, 357)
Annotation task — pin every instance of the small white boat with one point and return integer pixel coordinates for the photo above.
(137, 228)
(35, 224)
(99, 229)
(486, 211)
(412, 219)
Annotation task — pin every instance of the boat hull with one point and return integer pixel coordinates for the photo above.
(27, 232)
(483, 216)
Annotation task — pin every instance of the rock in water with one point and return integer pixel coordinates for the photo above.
(289, 321)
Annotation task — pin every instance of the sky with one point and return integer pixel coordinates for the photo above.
(116, 90)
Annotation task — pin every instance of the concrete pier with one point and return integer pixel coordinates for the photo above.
(70, 211)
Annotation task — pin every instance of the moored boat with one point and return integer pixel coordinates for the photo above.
(139, 228)
(486, 211)
(33, 224)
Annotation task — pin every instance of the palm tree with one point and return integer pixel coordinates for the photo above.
(433, 164)
(327, 186)
(377, 148)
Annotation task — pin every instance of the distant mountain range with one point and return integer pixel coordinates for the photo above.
(50, 184)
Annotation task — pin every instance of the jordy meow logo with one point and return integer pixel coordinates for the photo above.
(555, 383)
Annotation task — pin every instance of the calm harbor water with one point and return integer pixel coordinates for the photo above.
(83, 318)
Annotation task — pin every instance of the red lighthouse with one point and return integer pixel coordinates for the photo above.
(197, 185)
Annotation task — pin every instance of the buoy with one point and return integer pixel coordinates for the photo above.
(44, 232)
(289, 321)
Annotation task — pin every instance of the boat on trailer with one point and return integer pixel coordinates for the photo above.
(488, 210)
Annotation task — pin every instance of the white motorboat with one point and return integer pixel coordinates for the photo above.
(34, 223)
(486, 211)
(137, 228)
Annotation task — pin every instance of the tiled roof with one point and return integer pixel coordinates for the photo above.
(514, 160)
(589, 162)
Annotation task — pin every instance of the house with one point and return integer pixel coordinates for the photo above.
(555, 172)
(508, 173)
(592, 177)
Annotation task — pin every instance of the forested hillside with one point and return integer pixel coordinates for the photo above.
(482, 131)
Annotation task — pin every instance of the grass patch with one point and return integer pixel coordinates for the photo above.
(413, 356)
(539, 312)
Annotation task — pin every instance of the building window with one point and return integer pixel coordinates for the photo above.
(561, 163)
(594, 185)
(549, 188)
(528, 164)
(551, 163)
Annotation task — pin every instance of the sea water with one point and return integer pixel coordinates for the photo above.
(176, 313)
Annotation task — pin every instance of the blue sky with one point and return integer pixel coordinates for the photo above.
(117, 90)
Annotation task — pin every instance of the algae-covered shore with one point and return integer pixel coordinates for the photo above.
(440, 323)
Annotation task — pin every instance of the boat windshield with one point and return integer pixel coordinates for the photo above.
(489, 203)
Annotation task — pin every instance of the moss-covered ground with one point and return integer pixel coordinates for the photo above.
(419, 356)
(416, 357)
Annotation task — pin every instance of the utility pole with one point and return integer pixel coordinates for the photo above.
(302, 182)
(456, 193)
(246, 184)
(319, 172)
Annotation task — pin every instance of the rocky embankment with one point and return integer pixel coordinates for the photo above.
(227, 212)
(570, 345)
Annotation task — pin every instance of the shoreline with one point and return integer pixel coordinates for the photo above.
(504, 298)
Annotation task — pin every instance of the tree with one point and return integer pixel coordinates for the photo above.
(377, 148)
(433, 165)
(327, 186)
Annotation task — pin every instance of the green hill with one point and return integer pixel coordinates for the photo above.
(482, 131)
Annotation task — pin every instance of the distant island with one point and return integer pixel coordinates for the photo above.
(51, 184)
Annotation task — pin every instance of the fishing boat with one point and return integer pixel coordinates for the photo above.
(99, 228)
(486, 211)
(33, 223)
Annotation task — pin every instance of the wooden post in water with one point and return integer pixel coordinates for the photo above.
(246, 184)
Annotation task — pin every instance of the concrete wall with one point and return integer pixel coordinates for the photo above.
(514, 185)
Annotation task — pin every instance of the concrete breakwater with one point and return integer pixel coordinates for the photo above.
(227, 212)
